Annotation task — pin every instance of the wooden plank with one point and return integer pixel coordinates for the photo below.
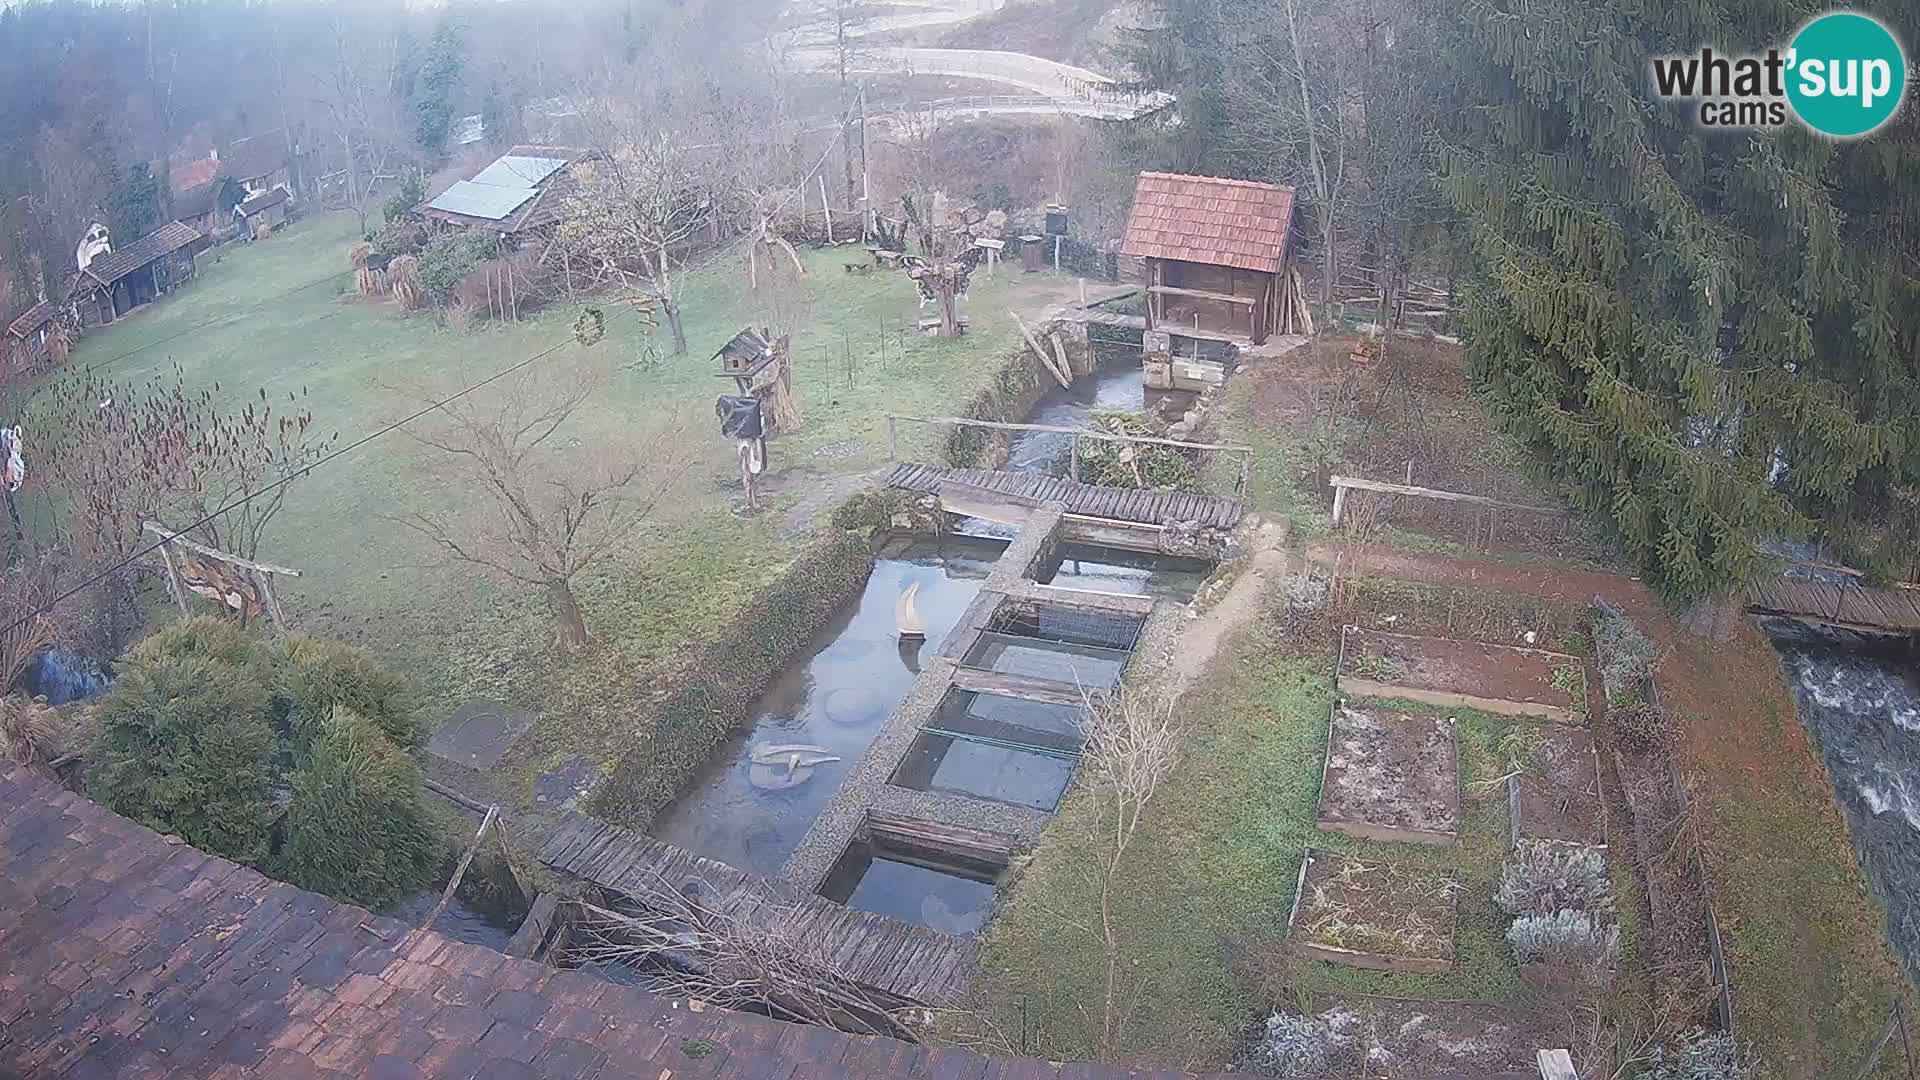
(923, 833)
(1020, 686)
(1433, 493)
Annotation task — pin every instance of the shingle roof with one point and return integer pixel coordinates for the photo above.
(32, 319)
(263, 201)
(120, 262)
(125, 955)
(1207, 219)
(255, 156)
(196, 202)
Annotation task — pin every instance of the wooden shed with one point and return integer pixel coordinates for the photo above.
(259, 215)
(29, 339)
(1214, 251)
(124, 278)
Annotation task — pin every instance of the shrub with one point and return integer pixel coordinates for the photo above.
(1563, 937)
(1539, 878)
(450, 257)
(1134, 465)
(186, 747)
(1645, 728)
(356, 828)
(1626, 657)
(409, 194)
(1289, 1048)
(397, 238)
(204, 637)
(1698, 1055)
(313, 676)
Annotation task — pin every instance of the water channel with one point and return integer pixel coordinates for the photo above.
(1859, 696)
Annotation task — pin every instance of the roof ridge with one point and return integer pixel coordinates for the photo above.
(1233, 181)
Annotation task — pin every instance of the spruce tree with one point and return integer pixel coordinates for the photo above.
(1709, 336)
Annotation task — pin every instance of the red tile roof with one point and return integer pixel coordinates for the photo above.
(128, 956)
(1206, 219)
(187, 175)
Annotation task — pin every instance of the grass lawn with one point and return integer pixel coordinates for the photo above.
(247, 322)
(1210, 878)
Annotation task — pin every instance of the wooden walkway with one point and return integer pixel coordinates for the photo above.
(1886, 611)
(911, 963)
(1087, 500)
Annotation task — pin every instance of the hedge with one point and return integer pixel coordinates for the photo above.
(1006, 400)
(712, 697)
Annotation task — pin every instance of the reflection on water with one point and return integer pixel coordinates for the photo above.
(459, 922)
(837, 694)
(1861, 700)
(1113, 570)
(952, 899)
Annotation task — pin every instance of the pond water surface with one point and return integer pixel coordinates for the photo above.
(836, 695)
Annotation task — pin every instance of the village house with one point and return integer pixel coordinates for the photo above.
(523, 191)
(260, 163)
(260, 214)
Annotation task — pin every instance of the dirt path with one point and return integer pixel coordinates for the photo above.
(1203, 638)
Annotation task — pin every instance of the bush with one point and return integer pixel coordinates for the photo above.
(1289, 1048)
(1698, 1055)
(397, 238)
(356, 828)
(1626, 657)
(1540, 878)
(449, 257)
(1015, 388)
(313, 676)
(409, 194)
(1644, 728)
(1563, 937)
(186, 747)
(1134, 465)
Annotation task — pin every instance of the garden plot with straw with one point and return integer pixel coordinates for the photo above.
(1378, 915)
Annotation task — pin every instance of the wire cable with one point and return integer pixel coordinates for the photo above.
(91, 368)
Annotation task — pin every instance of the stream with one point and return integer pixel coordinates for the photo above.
(1118, 384)
(1860, 698)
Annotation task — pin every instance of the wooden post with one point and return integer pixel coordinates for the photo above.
(461, 870)
(174, 584)
(1073, 462)
(893, 440)
(824, 208)
(1246, 473)
(1556, 1065)
(1339, 502)
(266, 597)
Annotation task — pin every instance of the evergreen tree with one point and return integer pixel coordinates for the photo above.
(133, 206)
(1708, 336)
(438, 82)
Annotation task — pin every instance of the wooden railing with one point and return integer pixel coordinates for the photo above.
(1245, 452)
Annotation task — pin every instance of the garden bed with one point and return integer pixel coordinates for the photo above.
(1391, 776)
(1377, 915)
(1555, 792)
(1463, 674)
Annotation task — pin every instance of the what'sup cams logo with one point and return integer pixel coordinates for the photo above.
(1843, 75)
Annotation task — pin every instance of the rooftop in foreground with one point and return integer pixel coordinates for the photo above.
(127, 954)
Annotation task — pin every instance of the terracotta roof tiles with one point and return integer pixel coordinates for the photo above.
(1208, 219)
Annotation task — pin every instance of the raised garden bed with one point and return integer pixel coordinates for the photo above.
(1555, 794)
(1377, 915)
(1391, 775)
(1464, 674)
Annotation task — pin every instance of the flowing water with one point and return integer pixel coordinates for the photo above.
(1118, 385)
(836, 696)
(459, 922)
(1860, 697)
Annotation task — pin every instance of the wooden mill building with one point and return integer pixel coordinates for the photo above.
(123, 278)
(1215, 253)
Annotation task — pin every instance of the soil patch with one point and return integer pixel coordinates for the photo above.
(1556, 794)
(1391, 776)
(1378, 915)
(1434, 1040)
(1468, 674)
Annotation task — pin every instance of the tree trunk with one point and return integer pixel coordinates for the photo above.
(567, 620)
(1327, 266)
(674, 326)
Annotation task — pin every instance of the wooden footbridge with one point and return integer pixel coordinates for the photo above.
(1847, 606)
(1086, 500)
(908, 963)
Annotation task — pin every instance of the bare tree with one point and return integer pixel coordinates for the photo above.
(357, 88)
(1132, 747)
(548, 514)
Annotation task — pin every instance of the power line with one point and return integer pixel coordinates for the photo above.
(290, 478)
(177, 335)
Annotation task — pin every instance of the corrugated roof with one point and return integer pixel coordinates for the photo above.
(32, 319)
(162, 241)
(519, 172)
(1207, 219)
(263, 201)
(489, 201)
